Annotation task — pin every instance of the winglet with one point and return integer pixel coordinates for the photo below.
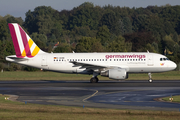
(23, 44)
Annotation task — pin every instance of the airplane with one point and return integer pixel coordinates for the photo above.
(115, 65)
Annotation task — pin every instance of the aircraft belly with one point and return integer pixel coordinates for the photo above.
(146, 69)
(63, 67)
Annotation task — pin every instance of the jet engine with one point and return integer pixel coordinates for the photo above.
(116, 73)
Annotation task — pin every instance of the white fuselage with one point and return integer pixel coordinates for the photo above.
(134, 62)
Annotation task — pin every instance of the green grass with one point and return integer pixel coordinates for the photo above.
(175, 98)
(40, 75)
(20, 111)
(172, 75)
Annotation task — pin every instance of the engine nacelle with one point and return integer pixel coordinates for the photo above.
(116, 73)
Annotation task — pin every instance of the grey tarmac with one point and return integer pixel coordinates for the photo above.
(136, 94)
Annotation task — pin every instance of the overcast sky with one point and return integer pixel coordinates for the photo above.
(18, 8)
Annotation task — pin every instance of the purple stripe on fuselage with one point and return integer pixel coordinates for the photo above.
(25, 41)
(15, 41)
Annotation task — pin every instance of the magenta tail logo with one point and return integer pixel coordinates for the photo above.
(23, 44)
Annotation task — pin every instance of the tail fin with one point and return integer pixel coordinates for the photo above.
(23, 44)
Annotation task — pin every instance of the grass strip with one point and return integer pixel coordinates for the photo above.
(45, 75)
(21, 111)
(175, 99)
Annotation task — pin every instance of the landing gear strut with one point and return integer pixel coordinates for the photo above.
(94, 80)
(150, 79)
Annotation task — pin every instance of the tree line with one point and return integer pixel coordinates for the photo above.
(90, 28)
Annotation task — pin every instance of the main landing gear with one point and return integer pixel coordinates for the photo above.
(94, 80)
(150, 79)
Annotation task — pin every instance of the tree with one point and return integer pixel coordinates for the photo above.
(62, 48)
(127, 25)
(6, 48)
(40, 40)
(109, 19)
(119, 45)
(4, 30)
(89, 44)
(85, 15)
(12, 19)
(103, 34)
(169, 44)
(139, 40)
(123, 26)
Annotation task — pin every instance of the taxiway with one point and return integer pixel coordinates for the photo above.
(105, 94)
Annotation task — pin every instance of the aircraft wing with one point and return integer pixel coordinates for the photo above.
(97, 66)
(87, 65)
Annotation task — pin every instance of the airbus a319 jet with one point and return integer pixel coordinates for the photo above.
(113, 65)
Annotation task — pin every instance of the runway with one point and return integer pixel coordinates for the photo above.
(139, 95)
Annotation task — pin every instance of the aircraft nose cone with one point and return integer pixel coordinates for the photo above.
(173, 65)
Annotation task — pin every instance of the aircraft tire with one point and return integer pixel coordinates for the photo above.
(94, 80)
(150, 80)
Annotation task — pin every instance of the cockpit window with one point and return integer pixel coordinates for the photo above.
(164, 59)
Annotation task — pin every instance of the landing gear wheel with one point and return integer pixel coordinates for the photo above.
(150, 79)
(94, 80)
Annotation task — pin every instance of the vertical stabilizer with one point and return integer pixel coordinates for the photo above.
(23, 44)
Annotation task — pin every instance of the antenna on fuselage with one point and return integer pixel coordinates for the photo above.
(147, 51)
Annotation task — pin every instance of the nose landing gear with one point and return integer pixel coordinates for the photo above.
(150, 79)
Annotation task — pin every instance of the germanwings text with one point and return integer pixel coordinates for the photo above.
(126, 56)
